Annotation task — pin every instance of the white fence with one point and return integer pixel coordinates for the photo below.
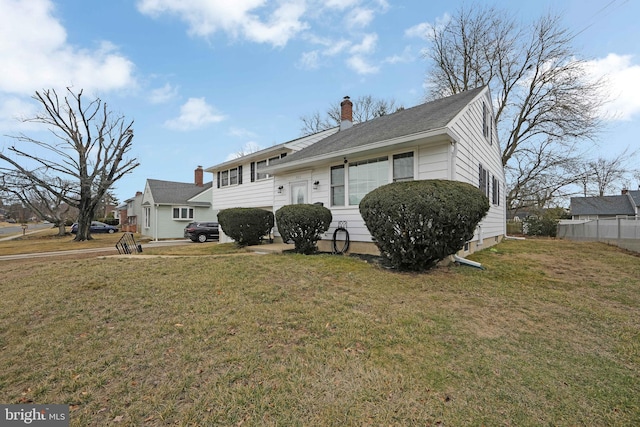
(622, 232)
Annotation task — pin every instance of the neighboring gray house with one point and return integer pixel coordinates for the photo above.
(169, 206)
(623, 205)
(452, 138)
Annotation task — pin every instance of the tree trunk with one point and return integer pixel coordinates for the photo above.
(62, 230)
(84, 223)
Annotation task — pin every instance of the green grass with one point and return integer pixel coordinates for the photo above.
(548, 334)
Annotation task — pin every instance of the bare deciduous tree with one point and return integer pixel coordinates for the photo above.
(47, 205)
(544, 102)
(599, 176)
(87, 148)
(364, 108)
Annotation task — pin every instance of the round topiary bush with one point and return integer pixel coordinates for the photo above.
(303, 224)
(246, 225)
(415, 224)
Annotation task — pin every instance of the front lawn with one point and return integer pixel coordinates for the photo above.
(548, 334)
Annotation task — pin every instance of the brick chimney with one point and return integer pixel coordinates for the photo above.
(199, 176)
(346, 113)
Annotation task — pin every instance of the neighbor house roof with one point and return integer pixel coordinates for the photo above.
(175, 193)
(419, 119)
(603, 205)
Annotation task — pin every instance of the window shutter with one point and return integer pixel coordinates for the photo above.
(218, 179)
(253, 171)
(239, 174)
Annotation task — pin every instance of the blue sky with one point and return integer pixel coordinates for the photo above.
(206, 79)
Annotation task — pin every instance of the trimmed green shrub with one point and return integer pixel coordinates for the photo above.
(415, 224)
(245, 225)
(303, 224)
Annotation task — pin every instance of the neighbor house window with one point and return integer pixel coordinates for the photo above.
(233, 176)
(403, 167)
(182, 212)
(147, 217)
(224, 178)
(365, 176)
(337, 185)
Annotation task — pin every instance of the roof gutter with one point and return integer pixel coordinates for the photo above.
(323, 158)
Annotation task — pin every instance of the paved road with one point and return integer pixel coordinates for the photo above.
(14, 229)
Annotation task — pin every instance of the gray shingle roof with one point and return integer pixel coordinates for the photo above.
(170, 192)
(421, 118)
(605, 205)
(636, 196)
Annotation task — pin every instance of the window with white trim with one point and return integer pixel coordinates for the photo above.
(403, 167)
(353, 182)
(147, 217)
(182, 212)
(495, 191)
(337, 185)
(256, 175)
(229, 177)
(365, 176)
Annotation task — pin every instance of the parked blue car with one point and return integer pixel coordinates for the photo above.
(97, 227)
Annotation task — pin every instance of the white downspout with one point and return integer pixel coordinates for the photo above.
(155, 225)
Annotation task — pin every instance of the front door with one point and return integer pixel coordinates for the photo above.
(299, 193)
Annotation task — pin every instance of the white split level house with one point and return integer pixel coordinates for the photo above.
(452, 138)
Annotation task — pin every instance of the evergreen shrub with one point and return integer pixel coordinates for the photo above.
(303, 224)
(415, 224)
(246, 225)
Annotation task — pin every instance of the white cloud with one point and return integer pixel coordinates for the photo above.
(361, 66)
(368, 44)
(13, 111)
(340, 4)
(247, 148)
(309, 60)
(195, 113)
(238, 18)
(35, 54)
(406, 56)
(623, 78)
(163, 94)
(241, 133)
(359, 18)
(425, 29)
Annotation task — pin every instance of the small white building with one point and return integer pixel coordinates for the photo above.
(452, 138)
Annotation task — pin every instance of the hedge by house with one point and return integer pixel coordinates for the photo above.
(246, 225)
(415, 224)
(303, 224)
